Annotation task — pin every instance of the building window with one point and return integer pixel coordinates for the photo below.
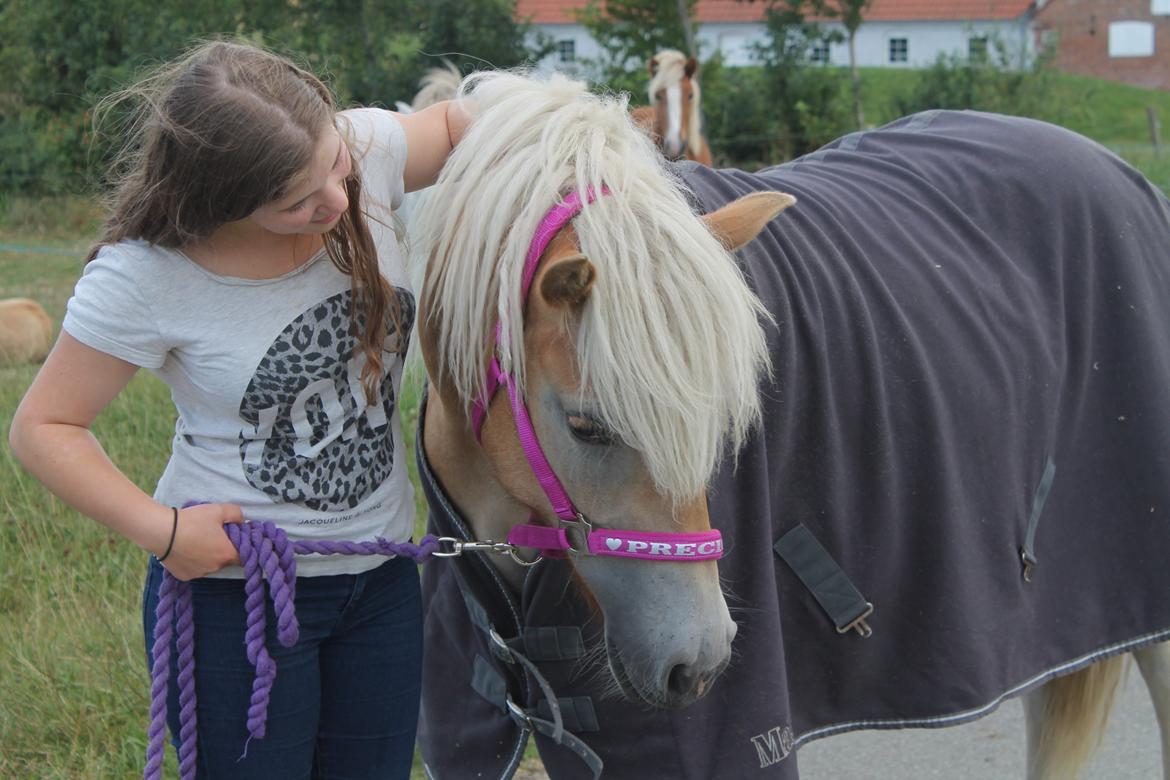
(899, 50)
(1131, 39)
(567, 50)
(977, 49)
(819, 53)
(1160, 7)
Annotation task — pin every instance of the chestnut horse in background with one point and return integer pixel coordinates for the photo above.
(673, 118)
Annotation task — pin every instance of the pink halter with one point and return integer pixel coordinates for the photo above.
(553, 542)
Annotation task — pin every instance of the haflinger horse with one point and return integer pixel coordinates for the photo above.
(715, 484)
(26, 332)
(674, 118)
(436, 85)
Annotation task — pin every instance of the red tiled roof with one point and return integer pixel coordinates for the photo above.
(562, 11)
(894, 10)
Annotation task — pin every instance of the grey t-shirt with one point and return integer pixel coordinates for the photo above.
(271, 411)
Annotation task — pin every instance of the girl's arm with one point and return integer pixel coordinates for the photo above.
(430, 136)
(51, 437)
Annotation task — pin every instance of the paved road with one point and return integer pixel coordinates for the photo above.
(991, 748)
(988, 749)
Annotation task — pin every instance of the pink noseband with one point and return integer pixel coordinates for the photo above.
(554, 542)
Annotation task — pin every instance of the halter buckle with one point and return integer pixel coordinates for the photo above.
(577, 525)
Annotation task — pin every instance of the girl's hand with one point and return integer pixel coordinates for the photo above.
(201, 545)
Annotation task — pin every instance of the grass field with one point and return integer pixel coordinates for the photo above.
(72, 668)
(71, 655)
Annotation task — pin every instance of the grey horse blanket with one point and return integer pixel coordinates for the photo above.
(971, 369)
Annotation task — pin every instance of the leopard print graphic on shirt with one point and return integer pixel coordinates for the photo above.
(309, 436)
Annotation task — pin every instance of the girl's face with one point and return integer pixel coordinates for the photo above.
(316, 198)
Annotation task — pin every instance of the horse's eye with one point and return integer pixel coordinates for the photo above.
(660, 94)
(590, 431)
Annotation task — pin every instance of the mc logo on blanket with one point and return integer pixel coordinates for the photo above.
(773, 747)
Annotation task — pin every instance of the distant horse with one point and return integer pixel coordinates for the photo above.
(436, 85)
(26, 332)
(883, 462)
(674, 118)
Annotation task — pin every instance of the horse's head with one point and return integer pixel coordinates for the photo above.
(675, 97)
(616, 339)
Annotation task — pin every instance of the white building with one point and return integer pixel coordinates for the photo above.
(894, 33)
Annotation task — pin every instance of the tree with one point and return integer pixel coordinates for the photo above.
(57, 57)
(851, 12)
(630, 32)
(803, 94)
(481, 34)
(1005, 79)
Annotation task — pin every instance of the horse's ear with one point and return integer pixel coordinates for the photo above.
(739, 221)
(568, 282)
(692, 67)
(652, 65)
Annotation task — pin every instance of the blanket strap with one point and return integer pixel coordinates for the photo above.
(553, 643)
(554, 717)
(1028, 551)
(829, 585)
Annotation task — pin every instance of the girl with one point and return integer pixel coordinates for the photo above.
(248, 261)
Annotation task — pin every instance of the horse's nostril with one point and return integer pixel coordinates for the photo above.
(681, 681)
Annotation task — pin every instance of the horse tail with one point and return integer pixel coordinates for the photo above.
(1067, 718)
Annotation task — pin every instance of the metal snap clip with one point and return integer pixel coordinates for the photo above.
(858, 624)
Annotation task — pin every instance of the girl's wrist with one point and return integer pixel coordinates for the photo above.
(174, 531)
(153, 532)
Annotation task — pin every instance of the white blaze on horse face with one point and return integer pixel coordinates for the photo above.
(672, 139)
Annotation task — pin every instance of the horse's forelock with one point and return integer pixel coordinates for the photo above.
(653, 347)
(671, 70)
(667, 301)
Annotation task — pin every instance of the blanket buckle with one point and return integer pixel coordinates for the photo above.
(858, 624)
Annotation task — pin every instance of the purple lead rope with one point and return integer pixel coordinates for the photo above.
(266, 552)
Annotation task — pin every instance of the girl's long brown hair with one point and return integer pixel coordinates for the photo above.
(217, 134)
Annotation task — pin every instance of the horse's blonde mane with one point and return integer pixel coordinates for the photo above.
(670, 346)
(671, 69)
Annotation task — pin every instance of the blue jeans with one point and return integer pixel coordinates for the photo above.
(346, 698)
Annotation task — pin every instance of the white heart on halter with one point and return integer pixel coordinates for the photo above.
(612, 543)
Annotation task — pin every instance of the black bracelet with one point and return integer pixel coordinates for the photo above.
(174, 529)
